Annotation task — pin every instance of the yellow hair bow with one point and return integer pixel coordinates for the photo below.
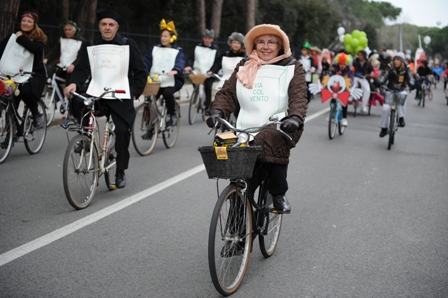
(170, 26)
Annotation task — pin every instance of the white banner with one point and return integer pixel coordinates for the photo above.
(163, 60)
(14, 58)
(69, 51)
(203, 59)
(109, 65)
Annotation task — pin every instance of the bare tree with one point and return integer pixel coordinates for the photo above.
(8, 15)
(200, 4)
(64, 9)
(216, 16)
(85, 14)
(251, 8)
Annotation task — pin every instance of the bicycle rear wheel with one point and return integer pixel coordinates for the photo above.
(271, 223)
(332, 123)
(80, 180)
(6, 133)
(109, 161)
(230, 240)
(193, 107)
(171, 133)
(145, 129)
(391, 129)
(48, 98)
(34, 137)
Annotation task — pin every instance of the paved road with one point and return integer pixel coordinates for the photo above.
(365, 222)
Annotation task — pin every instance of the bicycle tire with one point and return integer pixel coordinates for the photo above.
(171, 133)
(370, 105)
(355, 105)
(34, 137)
(110, 157)
(271, 223)
(50, 105)
(428, 93)
(391, 129)
(332, 123)
(80, 183)
(145, 129)
(228, 260)
(341, 128)
(202, 107)
(6, 134)
(194, 106)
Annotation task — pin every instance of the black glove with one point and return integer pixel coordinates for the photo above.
(214, 115)
(291, 124)
(412, 87)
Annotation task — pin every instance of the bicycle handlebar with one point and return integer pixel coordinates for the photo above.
(21, 72)
(89, 100)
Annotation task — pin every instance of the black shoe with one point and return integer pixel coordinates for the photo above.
(37, 120)
(231, 249)
(173, 121)
(79, 147)
(120, 179)
(281, 205)
(148, 135)
(383, 132)
(401, 122)
(5, 143)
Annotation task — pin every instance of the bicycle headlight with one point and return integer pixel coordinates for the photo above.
(243, 138)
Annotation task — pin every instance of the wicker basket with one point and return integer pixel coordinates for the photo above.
(151, 89)
(197, 79)
(240, 164)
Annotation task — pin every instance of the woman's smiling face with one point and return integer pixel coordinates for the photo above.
(267, 47)
(27, 24)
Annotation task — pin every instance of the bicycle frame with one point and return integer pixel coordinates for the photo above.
(54, 85)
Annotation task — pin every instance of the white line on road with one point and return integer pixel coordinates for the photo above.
(83, 222)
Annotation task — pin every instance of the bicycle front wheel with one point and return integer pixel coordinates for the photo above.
(341, 128)
(6, 134)
(391, 129)
(230, 240)
(332, 123)
(50, 105)
(171, 133)
(193, 107)
(110, 162)
(80, 180)
(145, 129)
(34, 137)
(271, 224)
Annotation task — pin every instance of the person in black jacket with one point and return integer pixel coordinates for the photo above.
(423, 72)
(206, 54)
(33, 40)
(363, 72)
(123, 112)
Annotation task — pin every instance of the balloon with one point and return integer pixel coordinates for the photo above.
(363, 41)
(358, 49)
(348, 49)
(354, 43)
(356, 34)
(341, 38)
(341, 31)
(427, 39)
(363, 34)
(347, 38)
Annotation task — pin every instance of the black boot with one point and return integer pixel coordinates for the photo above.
(281, 205)
(120, 179)
(383, 132)
(401, 122)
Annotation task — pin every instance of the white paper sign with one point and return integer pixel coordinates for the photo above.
(109, 65)
(163, 60)
(228, 66)
(203, 59)
(69, 51)
(14, 58)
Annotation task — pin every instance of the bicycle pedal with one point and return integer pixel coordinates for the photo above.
(113, 186)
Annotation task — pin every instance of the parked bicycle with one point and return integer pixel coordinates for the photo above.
(151, 120)
(237, 219)
(85, 158)
(52, 95)
(197, 99)
(14, 125)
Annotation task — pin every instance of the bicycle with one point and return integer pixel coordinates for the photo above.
(52, 95)
(13, 125)
(197, 99)
(232, 118)
(425, 91)
(237, 219)
(335, 118)
(446, 91)
(85, 159)
(394, 100)
(151, 120)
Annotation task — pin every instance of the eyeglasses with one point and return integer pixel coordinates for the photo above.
(269, 43)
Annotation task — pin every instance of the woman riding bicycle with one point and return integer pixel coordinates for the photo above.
(398, 76)
(269, 82)
(423, 72)
(169, 59)
(26, 47)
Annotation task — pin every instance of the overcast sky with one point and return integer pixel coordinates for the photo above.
(422, 12)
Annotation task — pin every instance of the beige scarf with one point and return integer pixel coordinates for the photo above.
(247, 74)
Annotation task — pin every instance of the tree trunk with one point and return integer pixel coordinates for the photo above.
(85, 14)
(250, 16)
(8, 15)
(64, 9)
(200, 4)
(216, 16)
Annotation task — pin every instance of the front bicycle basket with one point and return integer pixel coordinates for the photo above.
(151, 88)
(240, 162)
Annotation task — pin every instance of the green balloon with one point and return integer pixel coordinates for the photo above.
(348, 49)
(347, 38)
(363, 34)
(363, 41)
(359, 48)
(354, 43)
(356, 34)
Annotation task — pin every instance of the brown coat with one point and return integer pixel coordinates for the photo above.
(276, 147)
